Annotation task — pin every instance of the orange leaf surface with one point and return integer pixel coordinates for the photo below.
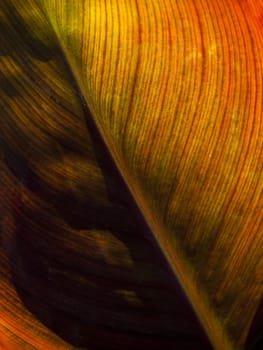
(131, 173)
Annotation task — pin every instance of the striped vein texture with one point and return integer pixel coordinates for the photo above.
(131, 149)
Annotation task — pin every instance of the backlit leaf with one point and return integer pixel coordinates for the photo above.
(131, 173)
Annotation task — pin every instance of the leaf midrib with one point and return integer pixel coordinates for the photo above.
(160, 235)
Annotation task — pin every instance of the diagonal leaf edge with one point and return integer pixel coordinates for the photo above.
(161, 239)
(11, 166)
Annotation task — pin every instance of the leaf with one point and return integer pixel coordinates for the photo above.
(131, 144)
